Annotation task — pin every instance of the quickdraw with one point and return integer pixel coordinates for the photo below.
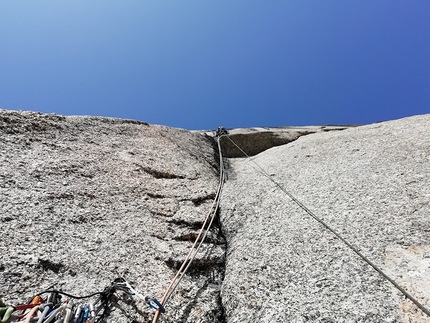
(54, 309)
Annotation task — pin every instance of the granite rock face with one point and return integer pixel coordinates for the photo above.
(85, 199)
(372, 185)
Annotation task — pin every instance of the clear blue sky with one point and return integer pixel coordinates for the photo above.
(199, 64)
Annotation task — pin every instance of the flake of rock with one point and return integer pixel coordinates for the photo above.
(252, 141)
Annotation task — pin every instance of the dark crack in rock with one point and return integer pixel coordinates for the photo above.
(84, 199)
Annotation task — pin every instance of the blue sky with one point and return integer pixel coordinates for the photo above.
(202, 64)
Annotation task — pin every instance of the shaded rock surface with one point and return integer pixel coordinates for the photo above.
(372, 185)
(253, 141)
(84, 199)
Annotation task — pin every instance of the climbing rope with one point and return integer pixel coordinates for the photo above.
(53, 309)
(199, 240)
(318, 219)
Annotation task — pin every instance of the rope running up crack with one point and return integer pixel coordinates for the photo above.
(318, 219)
(198, 242)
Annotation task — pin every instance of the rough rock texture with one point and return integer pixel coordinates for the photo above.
(83, 199)
(372, 185)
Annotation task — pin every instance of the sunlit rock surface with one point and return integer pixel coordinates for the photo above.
(371, 184)
(85, 199)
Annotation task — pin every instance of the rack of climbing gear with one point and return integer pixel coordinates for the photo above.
(49, 306)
